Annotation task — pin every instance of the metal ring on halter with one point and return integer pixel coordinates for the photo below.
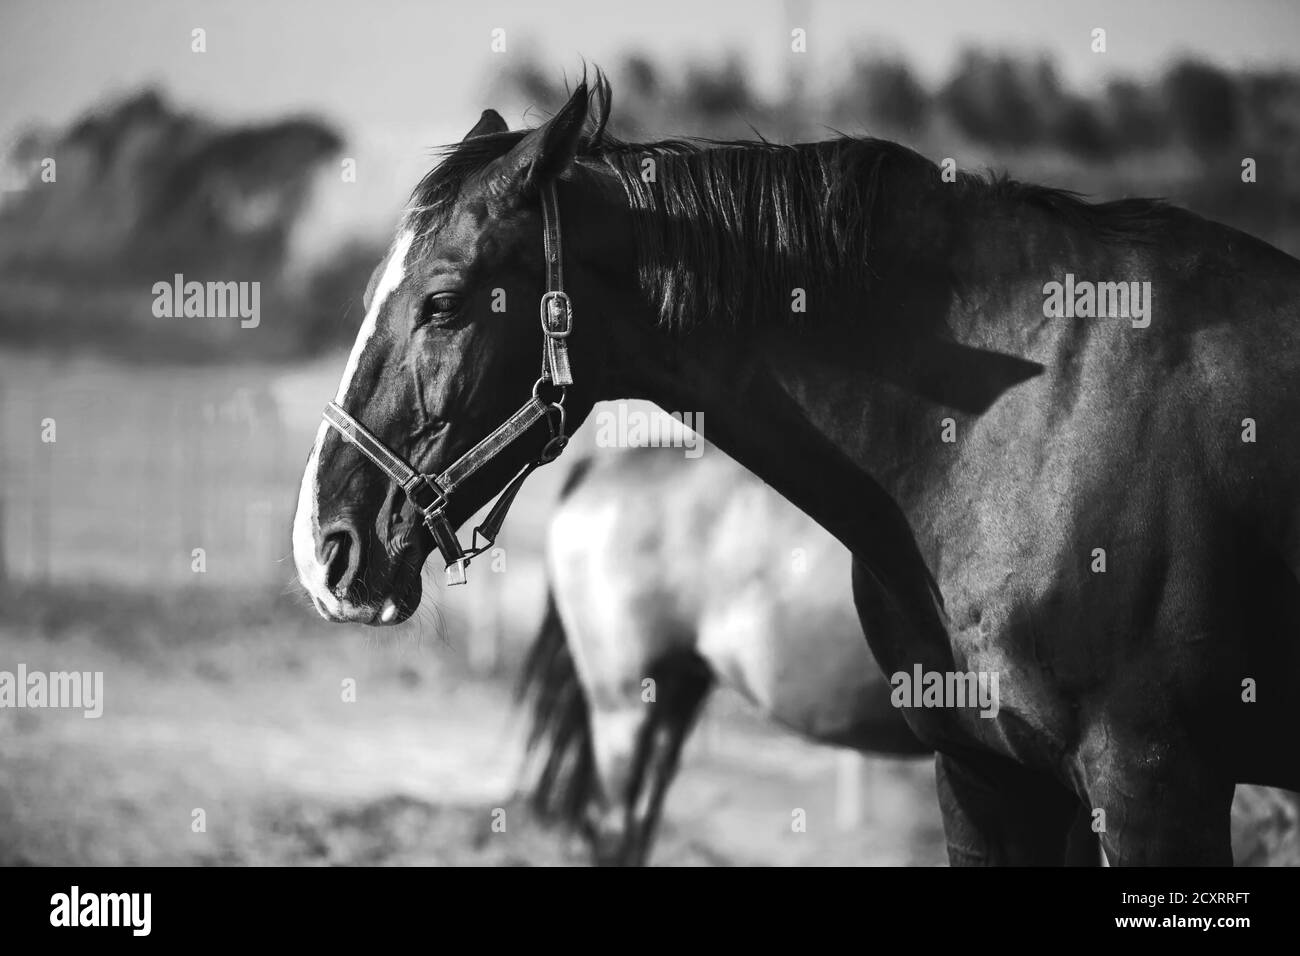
(543, 380)
(475, 549)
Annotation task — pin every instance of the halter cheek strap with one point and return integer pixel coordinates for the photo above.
(431, 494)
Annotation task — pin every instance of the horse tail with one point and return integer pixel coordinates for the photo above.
(559, 736)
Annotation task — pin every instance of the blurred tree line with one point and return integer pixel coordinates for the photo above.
(161, 191)
(1181, 136)
(999, 100)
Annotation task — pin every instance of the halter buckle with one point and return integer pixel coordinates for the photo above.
(555, 306)
(417, 486)
(544, 381)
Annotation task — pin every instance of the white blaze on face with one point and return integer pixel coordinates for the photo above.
(306, 520)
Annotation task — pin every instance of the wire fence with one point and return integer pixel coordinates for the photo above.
(162, 481)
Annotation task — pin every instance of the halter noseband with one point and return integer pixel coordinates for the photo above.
(431, 494)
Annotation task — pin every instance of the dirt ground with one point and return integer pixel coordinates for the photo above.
(246, 722)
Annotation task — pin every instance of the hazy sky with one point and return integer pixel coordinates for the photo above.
(401, 75)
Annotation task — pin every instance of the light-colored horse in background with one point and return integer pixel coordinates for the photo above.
(666, 577)
(693, 573)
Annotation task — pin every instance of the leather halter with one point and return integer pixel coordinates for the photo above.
(431, 494)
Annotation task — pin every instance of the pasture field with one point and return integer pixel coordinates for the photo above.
(237, 711)
(223, 691)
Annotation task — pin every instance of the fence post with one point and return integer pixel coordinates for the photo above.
(196, 501)
(498, 623)
(40, 479)
(849, 770)
(5, 480)
(259, 545)
(483, 621)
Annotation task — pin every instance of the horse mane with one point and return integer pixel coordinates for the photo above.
(726, 229)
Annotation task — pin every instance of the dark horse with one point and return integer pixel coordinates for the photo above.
(1099, 511)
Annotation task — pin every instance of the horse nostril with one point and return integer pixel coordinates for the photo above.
(336, 556)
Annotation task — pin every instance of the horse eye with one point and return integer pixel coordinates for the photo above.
(439, 307)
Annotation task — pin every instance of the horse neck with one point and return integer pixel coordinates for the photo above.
(944, 331)
(840, 417)
(955, 296)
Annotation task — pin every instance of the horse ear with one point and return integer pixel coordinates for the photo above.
(489, 122)
(545, 152)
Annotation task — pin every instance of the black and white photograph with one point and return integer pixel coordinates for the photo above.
(767, 434)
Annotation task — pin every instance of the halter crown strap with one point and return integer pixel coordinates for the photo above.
(556, 309)
(431, 494)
